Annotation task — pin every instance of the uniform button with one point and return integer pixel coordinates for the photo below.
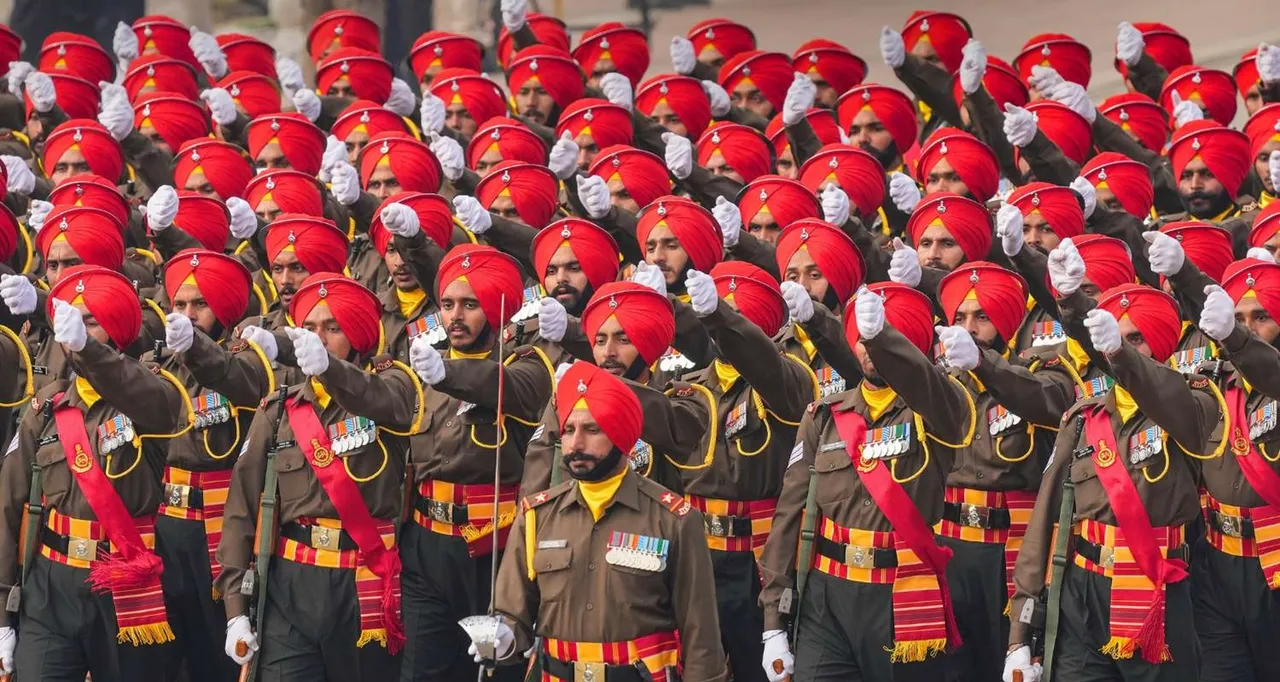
(591, 567)
(589, 607)
(866, 503)
(449, 423)
(1236, 486)
(446, 460)
(978, 437)
(979, 474)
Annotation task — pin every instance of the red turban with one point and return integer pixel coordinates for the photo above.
(626, 47)
(1207, 246)
(1001, 293)
(223, 164)
(435, 216)
(755, 293)
(1107, 261)
(167, 36)
(78, 98)
(1139, 114)
(449, 50)
(595, 250)
(559, 75)
(1223, 150)
(1263, 127)
(514, 140)
(223, 281)
(1129, 180)
(905, 309)
(76, 55)
(833, 62)
(95, 235)
(785, 200)
(728, 37)
(744, 148)
(549, 31)
(770, 72)
(247, 53)
(1166, 46)
(342, 28)
(1152, 311)
(256, 93)
(612, 404)
(8, 234)
(608, 124)
(205, 218)
(533, 189)
(1265, 225)
(369, 74)
(165, 74)
(948, 34)
(694, 227)
(1071, 132)
(858, 173)
(318, 244)
(99, 148)
(824, 124)
(683, 94)
(300, 140)
(411, 161)
(642, 174)
(107, 295)
(1260, 277)
(1214, 90)
(293, 192)
(354, 307)
(1069, 57)
(644, 314)
(481, 97)
(1246, 73)
(971, 159)
(10, 45)
(493, 275)
(832, 251)
(968, 222)
(370, 118)
(1058, 205)
(1002, 83)
(93, 191)
(175, 118)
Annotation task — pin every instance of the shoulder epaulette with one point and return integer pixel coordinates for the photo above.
(1198, 382)
(676, 504)
(545, 496)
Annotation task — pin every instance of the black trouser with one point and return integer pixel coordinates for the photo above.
(741, 621)
(199, 622)
(311, 626)
(1237, 617)
(442, 584)
(979, 594)
(67, 631)
(846, 635)
(1084, 627)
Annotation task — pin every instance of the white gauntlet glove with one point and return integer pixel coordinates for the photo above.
(208, 53)
(553, 319)
(1186, 111)
(124, 43)
(1218, 317)
(798, 302)
(904, 192)
(1066, 267)
(1129, 44)
(432, 113)
(617, 89)
(116, 114)
(426, 361)
(1009, 229)
(263, 339)
(958, 347)
(800, 95)
(682, 58)
(563, 159)
(401, 100)
(1020, 660)
(777, 654)
(345, 184)
(68, 326)
(650, 276)
(514, 14)
(904, 264)
(290, 76)
(868, 310)
(18, 293)
(835, 205)
(162, 208)
(471, 214)
(892, 48)
(974, 66)
(1104, 331)
(178, 332)
(593, 192)
(40, 91)
(1268, 62)
(21, 179)
(1019, 125)
(730, 220)
(17, 77)
(1164, 254)
(221, 106)
(449, 153)
(1088, 195)
(719, 99)
(309, 350)
(239, 630)
(400, 220)
(244, 222)
(703, 297)
(679, 155)
(307, 103)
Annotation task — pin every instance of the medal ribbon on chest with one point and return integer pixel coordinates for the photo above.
(1047, 333)
(640, 552)
(351, 434)
(999, 419)
(1186, 361)
(1146, 443)
(211, 408)
(1262, 420)
(115, 432)
(887, 441)
(431, 325)
(1094, 387)
(830, 381)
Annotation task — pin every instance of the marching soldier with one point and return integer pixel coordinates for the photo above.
(411, 258)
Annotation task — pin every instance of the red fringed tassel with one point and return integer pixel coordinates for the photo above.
(117, 573)
(391, 617)
(1150, 636)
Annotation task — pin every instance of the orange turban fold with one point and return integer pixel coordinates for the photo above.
(1166, 46)
(1001, 293)
(607, 123)
(371, 118)
(1214, 90)
(318, 244)
(493, 275)
(204, 218)
(342, 28)
(626, 47)
(645, 315)
(514, 140)
(165, 74)
(728, 37)
(481, 97)
(1107, 261)
(971, 159)
(612, 404)
(435, 216)
(1129, 180)
(1265, 225)
(1003, 84)
(755, 293)
(1058, 205)
(549, 31)
(95, 235)
(839, 67)
(1223, 150)
(832, 250)
(175, 118)
(93, 191)
(256, 93)
(770, 72)
(905, 309)
(643, 175)
(451, 50)
(1246, 73)
(300, 140)
(947, 32)
(534, 190)
(76, 55)
(559, 75)
(1207, 246)
(108, 295)
(165, 35)
(1140, 115)
(77, 97)
(293, 192)
(224, 165)
(683, 94)
(968, 222)
(1152, 311)
(694, 227)
(411, 161)
(369, 74)
(596, 251)
(1263, 127)
(223, 281)
(744, 148)
(785, 200)
(247, 53)
(99, 148)
(1071, 58)
(858, 173)
(354, 307)
(824, 124)
(1260, 277)
(1070, 131)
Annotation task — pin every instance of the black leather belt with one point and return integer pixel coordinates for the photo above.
(81, 549)
(724, 526)
(1230, 526)
(855, 555)
(598, 672)
(976, 516)
(1105, 556)
(444, 512)
(318, 537)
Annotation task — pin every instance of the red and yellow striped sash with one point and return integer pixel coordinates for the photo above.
(1018, 502)
(213, 487)
(760, 513)
(1265, 543)
(478, 500)
(658, 652)
(860, 538)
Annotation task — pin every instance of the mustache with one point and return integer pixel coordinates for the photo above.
(578, 456)
(613, 364)
(564, 288)
(1202, 196)
(458, 327)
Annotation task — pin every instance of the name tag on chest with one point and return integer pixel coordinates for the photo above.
(640, 552)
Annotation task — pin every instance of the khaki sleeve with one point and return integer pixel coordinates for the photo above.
(1039, 397)
(1148, 77)
(540, 455)
(785, 386)
(389, 398)
(526, 386)
(1128, 229)
(946, 406)
(1048, 163)
(15, 490)
(1188, 285)
(154, 165)
(243, 377)
(1255, 359)
(693, 597)
(156, 405)
(691, 338)
(169, 242)
(515, 596)
(240, 516)
(422, 256)
(803, 140)
(622, 225)
(827, 334)
(987, 124)
(931, 85)
(1034, 268)
(673, 426)
(1163, 394)
(756, 252)
(705, 188)
(513, 239)
(778, 560)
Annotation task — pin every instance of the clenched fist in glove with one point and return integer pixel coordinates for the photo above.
(868, 311)
(1273, 170)
(682, 58)
(778, 662)
(904, 191)
(432, 114)
(426, 360)
(719, 99)
(798, 302)
(208, 53)
(471, 214)
(162, 208)
(1268, 62)
(239, 630)
(730, 220)
(1066, 267)
(1186, 111)
(244, 222)
(345, 183)
(449, 153)
(1073, 96)
(1218, 317)
(958, 347)
(703, 297)
(1104, 331)
(679, 155)
(178, 332)
(17, 77)
(1165, 253)
(1019, 125)
(400, 220)
(892, 48)
(401, 101)
(1259, 253)
(835, 205)
(290, 76)
(116, 114)
(68, 326)
(617, 89)
(593, 192)
(307, 103)
(40, 92)
(904, 264)
(650, 276)
(21, 179)
(309, 350)
(335, 152)
(563, 159)
(553, 319)
(1019, 660)
(800, 96)
(221, 106)
(1044, 78)
(1009, 229)
(1088, 195)
(124, 42)
(973, 67)
(36, 214)
(514, 14)
(1129, 44)
(263, 339)
(19, 294)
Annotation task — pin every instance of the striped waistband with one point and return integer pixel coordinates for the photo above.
(987, 516)
(80, 542)
(656, 651)
(323, 542)
(855, 555)
(1243, 531)
(735, 525)
(1113, 549)
(466, 511)
(193, 494)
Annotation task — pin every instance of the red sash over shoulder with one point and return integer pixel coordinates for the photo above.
(1262, 478)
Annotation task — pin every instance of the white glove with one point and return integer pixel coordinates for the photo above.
(221, 106)
(702, 292)
(1045, 78)
(892, 49)
(798, 302)
(18, 72)
(553, 319)
(800, 96)
(679, 155)
(958, 346)
(1104, 330)
(505, 638)
(650, 276)
(400, 220)
(617, 89)
(904, 191)
(432, 113)
(313, 358)
(21, 179)
(473, 216)
(1019, 125)
(116, 114)
(1074, 97)
(835, 205)
(18, 293)
(514, 13)
(1020, 660)
(239, 630)
(307, 103)
(1129, 47)
(36, 214)
(244, 222)
(8, 642)
(1273, 170)
(1009, 229)
(426, 360)
(1164, 254)
(290, 75)
(1184, 112)
(345, 183)
(162, 208)
(401, 101)
(68, 326)
(449, 153)
(1088, 195)
(682, 58)
(40, 91)
(730, 219)
(776, 649)
(125, 42)
(1258, 253)
(335, 152)
(593, 192)
(263, 339)
(1268, 63)
(719, 99)
(868, 311)
(563, 159)
(208, 52)
(973, 67)
(178, 332)
(561, 369)
(1218, 317)
(1066, 267)
(904, 264)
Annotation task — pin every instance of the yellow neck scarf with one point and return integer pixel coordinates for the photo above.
(878, 399)
(1265, 199)
(726, 375)
(599, 494)
(86, 392)
(1125, 404)
(410, 300)
(1079, 358)
(803, 338)
(322, 396)
(455, 354)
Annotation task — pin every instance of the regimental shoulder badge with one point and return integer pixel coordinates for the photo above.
(640, 552)
(239, 346)
(532, 303)
(211, 408)
(1186, 361)
(432, 325)
(35, 403)
(1047, 333)
(684, 392)
(1094, 387)
(382, 363)
(1054, 361)
(1199, 383)
(641, 456)
(887, 442)
(829, 381)
(1251, 206)
(1145, 444)
(1262, 420)
(1000, 420)
(114, 433)
(673, 361)
(155, 369)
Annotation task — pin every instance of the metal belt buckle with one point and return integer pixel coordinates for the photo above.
(83, 549)
(588, 672)
(440, 511)
(177, 495)
(858, 556)
(1106, 556)
(975, 516)
(324, 538)
(718, 526)
(1232, 526)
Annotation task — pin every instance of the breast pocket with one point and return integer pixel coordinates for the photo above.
(1082, 470)
(55, 477)
(292, 474)
(552, 568)
(834, 471)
